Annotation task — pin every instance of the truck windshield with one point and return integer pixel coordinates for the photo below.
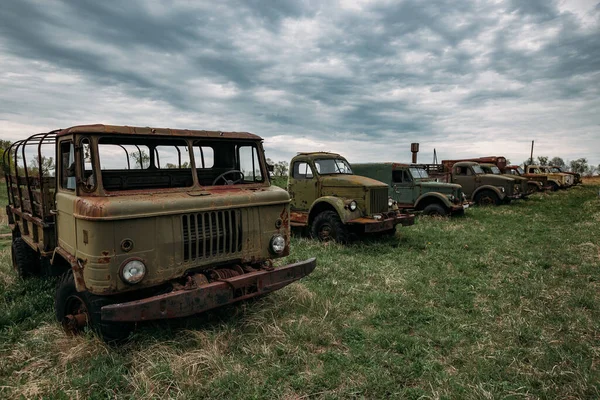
(139, 163)
(495, 170)
(555, 169)
(419, 173)
(521, 171)
(477, 169)
(327, 166)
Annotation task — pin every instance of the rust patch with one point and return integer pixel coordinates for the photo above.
(298, 217)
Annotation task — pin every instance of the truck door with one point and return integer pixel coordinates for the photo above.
(66, 196)
(464, 177)
(404, 187)
(303, 186)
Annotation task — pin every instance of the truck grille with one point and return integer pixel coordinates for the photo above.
(211, 234)
(378, 200)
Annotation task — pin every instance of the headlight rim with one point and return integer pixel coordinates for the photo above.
(122, 270)
(353, 205)
(272, 247)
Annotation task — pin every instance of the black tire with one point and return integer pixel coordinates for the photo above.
(435, 210)
(69, 301)
(553, 186)
(25, 260)
(533, 187)
(487, 198)
(327, 226)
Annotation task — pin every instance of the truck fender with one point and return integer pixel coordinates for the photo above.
(501, 195)
(438, 196)
(335, 203)
(557, 182)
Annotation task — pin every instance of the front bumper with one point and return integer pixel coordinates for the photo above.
(185, 302)
(460, 208)
(388, 221)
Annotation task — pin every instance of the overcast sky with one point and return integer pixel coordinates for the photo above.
(362, 78)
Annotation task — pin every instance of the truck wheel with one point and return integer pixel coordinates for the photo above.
(435, 210)
(25, 260)
(327, 227)
(533, 188)
(487, 198)
(553, 186)
(76, 310)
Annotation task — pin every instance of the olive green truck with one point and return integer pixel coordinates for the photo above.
(336, 204)
(146, 224)
(412, 189)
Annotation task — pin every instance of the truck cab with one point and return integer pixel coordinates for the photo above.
(525, 188)
(147, 223)
(334, 203)
(478, 186)
(412, 189)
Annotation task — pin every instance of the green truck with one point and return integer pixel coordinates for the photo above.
(334, 203)
(525, 187)
(479, 187)
(147, 223)
(412, 189)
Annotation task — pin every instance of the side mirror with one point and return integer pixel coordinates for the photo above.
(270, 167)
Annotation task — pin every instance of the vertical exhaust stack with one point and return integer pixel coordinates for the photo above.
(414, 148)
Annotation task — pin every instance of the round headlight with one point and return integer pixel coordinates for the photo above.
(352, 206)
(390, 202)
(133, 271)
(501, 189)
(451, 197)
(277, 244)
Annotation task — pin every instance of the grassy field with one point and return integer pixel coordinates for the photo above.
(504, 303)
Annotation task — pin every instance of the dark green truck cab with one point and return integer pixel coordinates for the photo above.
(413, 189)
(334, 203)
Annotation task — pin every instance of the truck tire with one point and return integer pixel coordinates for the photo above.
(327, 226)
(533, 187)
(435, 210)
(69, 303)
(25, 260)
(487, 198)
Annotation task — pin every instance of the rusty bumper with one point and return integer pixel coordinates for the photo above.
(182, 303)
(386, 223)
(460, 208)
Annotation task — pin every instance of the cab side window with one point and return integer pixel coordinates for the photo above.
(407, 177)
(67, 165)
(397, 176)
(302, 171)
(460, 171)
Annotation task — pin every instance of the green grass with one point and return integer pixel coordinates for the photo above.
(504, 303)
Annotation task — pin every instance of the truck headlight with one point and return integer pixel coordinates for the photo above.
(352, 206)
(451, 197)
(390, 202)
(277, 244)
(516, 188)
(133, 271)
(501, 188)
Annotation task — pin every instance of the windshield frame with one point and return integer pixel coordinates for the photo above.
(475, 169)
(335, 161)
(417, 173)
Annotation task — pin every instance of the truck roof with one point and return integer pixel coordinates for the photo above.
(320, 153)
(133, 130)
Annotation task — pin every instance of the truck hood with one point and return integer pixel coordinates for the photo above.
(438, 185)
(496, 179)
(350, 181)
(152, 205)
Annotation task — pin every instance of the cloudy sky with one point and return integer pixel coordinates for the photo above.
(363, 78)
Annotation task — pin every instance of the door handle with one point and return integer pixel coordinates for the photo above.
(53, 212)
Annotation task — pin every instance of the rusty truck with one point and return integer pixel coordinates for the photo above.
(479, 187)
(146, 223)
(413, 190)
(334, 204)
(556, 180)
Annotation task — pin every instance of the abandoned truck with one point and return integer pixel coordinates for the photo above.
(525, 188)
(413, 189)
(145, 224)
(334, 203)
(481, 188)
(537, 182)
(556, 180)
(532, 185)
(576, 176)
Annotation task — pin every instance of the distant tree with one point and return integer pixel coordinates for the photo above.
(579, 166)
(281, 168)
(173, 166)
(46, 164)
(557, 162)
(592, 170)
(542, 160)
(4, 144)
(141, 159)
